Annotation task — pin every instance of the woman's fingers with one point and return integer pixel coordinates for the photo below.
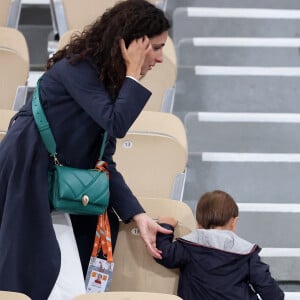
(154, 252)
(134, 56)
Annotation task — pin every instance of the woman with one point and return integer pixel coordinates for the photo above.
(90, 86)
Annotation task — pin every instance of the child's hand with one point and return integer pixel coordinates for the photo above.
(168, 220)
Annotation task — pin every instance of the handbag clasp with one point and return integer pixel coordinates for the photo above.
(85, 200)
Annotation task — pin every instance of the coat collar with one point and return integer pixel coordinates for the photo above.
(223, 240)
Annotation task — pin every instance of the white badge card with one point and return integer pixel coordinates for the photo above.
(99, 275)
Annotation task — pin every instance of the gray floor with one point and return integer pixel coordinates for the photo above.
(262, 182)
(36, 25)
(230, 55)
(254, 157)
(233, 93)
(241, 136)
(213, 26)
(272, 4)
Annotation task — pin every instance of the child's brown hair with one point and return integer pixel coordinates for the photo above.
(215, 209)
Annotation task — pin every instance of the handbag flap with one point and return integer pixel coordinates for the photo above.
(73, 184)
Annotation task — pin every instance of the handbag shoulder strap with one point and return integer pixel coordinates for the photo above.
(44, 128)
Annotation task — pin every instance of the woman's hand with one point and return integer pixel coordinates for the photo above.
(148, 229)
(134, 56)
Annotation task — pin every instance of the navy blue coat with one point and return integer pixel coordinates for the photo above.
(78, 109)
(218, 265)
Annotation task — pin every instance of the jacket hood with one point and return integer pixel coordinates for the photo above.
(223, 240)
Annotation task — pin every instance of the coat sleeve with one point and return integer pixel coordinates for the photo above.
(262, 281)
(174, 254)
(82, 83)
(122, 199)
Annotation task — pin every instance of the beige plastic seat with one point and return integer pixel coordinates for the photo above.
(152, 156)
(160, 80)
(66, 38)
(135, 269)
(14, 62)
(127, 296)
(4, 295)
(5, 117)
(70, 14)
(10, 13)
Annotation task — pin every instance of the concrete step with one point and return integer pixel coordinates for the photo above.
(280, 4)
(238, 52)
(234, 22)
(237, 89)
(242, 132)
(249, 177)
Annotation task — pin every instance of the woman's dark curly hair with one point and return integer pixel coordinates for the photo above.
(130, 19)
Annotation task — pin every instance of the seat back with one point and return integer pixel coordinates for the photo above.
(66, 38)
(135, 269)
(4, 11)
(70, 14)
(152, 154)
(78, 14)
(5, 295)
(10, 12)
(127, 296)
(5, 117)
(161, 78)
(14, 62)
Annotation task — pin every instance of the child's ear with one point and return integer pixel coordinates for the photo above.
(199, 226)
(233, 223)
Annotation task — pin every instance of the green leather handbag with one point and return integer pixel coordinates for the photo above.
(72, 190)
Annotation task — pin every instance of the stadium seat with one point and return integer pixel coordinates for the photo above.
(161, 81)
(70, 14)
(10, 13)
(5, 295)
(135, 269)
(153, 155)
(14, 61)
(5, 117)
(127, 296)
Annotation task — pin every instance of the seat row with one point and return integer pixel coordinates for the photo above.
(15, 72)
(107, 296)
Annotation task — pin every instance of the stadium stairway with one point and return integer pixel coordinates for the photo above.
(237, 93)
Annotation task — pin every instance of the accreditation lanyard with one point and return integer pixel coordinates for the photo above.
(103, 238)
(100, 271)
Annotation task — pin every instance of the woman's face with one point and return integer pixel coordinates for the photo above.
(156, 54)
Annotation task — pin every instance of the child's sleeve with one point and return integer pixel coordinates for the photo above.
(262, 281)
(174, 254)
